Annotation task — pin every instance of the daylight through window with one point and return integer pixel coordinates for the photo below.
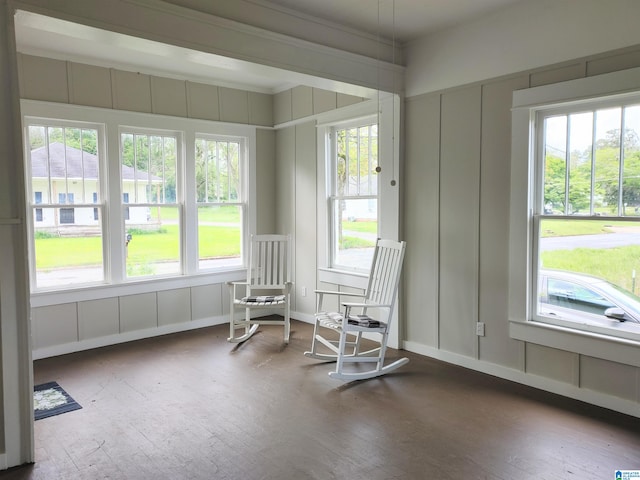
(588, 217)
(353, 197)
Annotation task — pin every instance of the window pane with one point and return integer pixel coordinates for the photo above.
(631, 172)
(219, 236)
(580, 135)
(356, 227)
(588, 266)
(217, 171)
(154, 245)
(555, 165)
(607, 140)
(67, 253)
(65, 170)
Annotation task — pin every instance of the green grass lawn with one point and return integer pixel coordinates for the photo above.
(613, 264)
(214, 241)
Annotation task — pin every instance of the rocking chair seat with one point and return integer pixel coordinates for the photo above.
(261, 300)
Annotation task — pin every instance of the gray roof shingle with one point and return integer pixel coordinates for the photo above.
(77, 162)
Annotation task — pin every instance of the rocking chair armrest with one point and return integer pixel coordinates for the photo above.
(365, 305)
(321, 293)
(333, 292)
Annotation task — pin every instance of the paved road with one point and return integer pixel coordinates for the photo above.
(604, 240)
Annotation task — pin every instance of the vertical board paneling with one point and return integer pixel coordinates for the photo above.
(138, 312)
(234, 105)
(131, 91)
(305, 215)
(421, 196)
(260, 109)
(266, 178)
(98, 318)
(613, 63)
(174, 306)
(285, 181)
(459, 219)
(43, 79)
(89, 85)
(324, 100)
(203, 101)
(495, 175)
(169, 96)
(557, 74)
(54, 325)
(596, 374)
(207, 301)
(301, 102)
(551, 363)
(282, 107)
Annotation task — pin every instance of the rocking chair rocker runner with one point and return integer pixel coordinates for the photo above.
(267, 286)
(350, 325)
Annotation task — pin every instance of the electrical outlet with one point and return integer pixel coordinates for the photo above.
(304, 291)
(480, 329)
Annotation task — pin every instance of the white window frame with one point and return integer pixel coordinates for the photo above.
(387, 108)
(52, 203)
(116, 282)
(243, 191)
(332, 194)
(524, 324)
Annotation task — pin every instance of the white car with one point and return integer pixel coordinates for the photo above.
(570, 296)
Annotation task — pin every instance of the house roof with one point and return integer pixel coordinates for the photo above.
(79, 164)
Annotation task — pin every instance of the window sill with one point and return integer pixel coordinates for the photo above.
(95, 292)
(620, 350)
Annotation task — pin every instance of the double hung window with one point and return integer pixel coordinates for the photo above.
(150, 205)
(586, 216)
(219, 200)
(66, 202)
(353, 195)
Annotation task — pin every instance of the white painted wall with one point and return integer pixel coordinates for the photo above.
(524, 36)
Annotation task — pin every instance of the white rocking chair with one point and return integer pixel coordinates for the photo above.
(350, 325)
(269, 276)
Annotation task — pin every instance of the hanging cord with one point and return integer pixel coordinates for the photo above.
(393, 93)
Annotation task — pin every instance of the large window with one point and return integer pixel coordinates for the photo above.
(586, 216)
(353, 195)
(116, 197)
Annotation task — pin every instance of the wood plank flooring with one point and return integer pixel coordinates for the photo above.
(192, 406)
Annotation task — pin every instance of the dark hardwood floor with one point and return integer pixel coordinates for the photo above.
(192, 406)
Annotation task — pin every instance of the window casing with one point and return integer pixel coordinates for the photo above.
(139, 198)
(353, 194)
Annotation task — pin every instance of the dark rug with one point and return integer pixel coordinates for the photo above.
(50, 399)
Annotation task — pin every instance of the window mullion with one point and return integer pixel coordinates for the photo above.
(567, 160)
(621, 164)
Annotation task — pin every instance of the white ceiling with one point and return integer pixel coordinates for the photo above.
(401, 20)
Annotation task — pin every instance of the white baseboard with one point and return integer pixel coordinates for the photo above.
(88, 344)
(553, 386)
(105, 341)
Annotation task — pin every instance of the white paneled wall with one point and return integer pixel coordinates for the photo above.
(457, 227)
